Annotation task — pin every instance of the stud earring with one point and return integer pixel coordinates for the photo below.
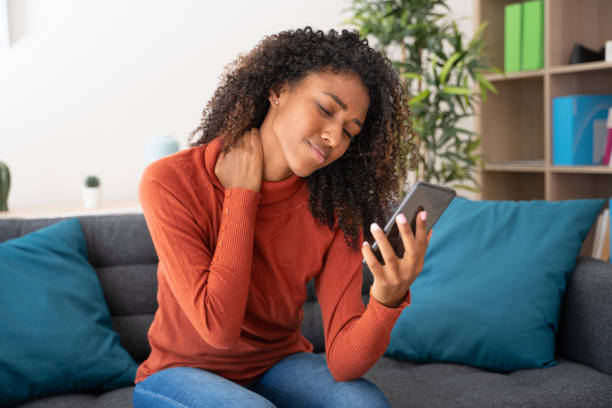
(276, 102)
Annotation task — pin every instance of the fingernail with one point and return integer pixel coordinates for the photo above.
(365, 243)
(401, 218)
(374, 227)
(423, 215)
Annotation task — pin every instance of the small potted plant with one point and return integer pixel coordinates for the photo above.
(5, 185)
(91, 192)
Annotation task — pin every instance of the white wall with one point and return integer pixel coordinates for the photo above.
(85, 83)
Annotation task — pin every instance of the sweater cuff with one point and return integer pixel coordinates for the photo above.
(237, 228)
(385, 316)
(405, 302)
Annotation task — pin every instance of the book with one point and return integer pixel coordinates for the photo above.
(600, 134)
(512, 37)
(605, 251)
(608, 149)
(601, 243)
(532, 35)
(610, 230)
(595, 248)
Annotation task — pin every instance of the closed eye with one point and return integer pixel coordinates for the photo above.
(328, 114)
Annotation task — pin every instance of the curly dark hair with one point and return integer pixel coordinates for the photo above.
(341, 193)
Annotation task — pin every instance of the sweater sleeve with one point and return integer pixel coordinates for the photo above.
(210, 280)
(355, 336)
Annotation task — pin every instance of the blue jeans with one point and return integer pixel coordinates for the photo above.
(298, 380)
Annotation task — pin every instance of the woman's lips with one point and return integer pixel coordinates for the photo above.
(317, 154)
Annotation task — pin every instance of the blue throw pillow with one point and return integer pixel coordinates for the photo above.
(492, 284)
(55, 328)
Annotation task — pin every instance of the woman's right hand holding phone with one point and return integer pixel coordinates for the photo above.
(393, 279)
(242, 166)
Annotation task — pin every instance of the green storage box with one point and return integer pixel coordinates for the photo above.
(532, 40)
(512, 37)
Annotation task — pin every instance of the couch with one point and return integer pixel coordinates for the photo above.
(122, 253)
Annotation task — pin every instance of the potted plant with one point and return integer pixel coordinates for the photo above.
(5, 185)
(438, 67)
(91, 192)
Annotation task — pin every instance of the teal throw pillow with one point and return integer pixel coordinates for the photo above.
(492, 284)
(55, 328)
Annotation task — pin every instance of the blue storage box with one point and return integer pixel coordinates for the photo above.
(573, 132)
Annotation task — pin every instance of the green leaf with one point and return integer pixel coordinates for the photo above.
(472, 146)
(483, 93)
(484, 82)
(418, 98)
(412, 75)
(478, 34)
(448, 65)
(455, 90)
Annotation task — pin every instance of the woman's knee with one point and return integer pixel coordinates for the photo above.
(189, 387)
(358, 393)
(304, 380)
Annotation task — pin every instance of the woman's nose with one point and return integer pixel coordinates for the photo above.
(332, 137)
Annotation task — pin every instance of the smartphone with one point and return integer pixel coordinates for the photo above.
(423, 196)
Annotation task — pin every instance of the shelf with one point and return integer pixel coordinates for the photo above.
(72, 209)
(557, 70)
(537, 166)
(584, 67)
(509, 76)
(530, 166)
(582, 169)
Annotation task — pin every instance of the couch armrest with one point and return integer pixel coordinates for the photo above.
(585, 326)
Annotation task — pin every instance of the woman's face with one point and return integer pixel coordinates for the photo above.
(321, 114)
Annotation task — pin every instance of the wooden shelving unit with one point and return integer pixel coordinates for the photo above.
(516, 124)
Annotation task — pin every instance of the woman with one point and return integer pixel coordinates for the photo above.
(302, 145)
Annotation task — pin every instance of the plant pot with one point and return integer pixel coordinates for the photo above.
(91, 197)
(5, 185)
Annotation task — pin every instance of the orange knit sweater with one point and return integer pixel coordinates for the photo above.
(232, 274)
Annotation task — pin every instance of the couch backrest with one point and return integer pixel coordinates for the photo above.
(585, 325)
(121, 251)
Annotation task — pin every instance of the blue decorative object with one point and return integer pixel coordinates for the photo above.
(56, 332)
(160, 146)
(492, 285)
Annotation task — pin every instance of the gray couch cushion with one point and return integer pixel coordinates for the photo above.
(434, 385)
(121, 398)
(585, 327)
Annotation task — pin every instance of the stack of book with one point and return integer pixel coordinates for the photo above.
(524, 36)
(601, 244)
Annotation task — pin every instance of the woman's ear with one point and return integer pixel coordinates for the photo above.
(276, 91)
